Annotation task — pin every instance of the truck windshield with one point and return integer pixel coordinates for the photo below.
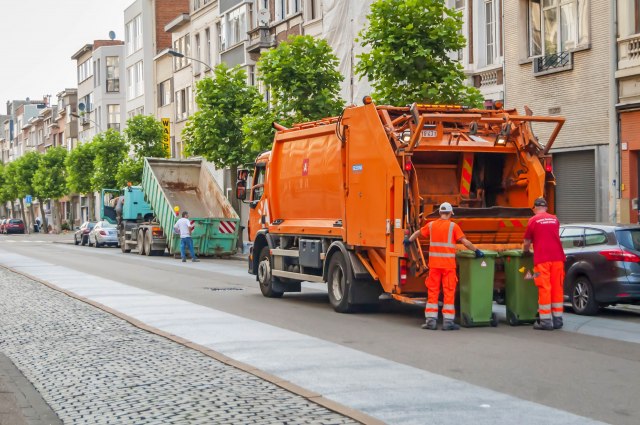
(258, 184)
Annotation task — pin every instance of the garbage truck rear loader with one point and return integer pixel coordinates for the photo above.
(333, 200)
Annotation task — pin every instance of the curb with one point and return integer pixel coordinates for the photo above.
(313, 397)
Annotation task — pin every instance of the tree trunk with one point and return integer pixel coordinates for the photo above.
(57, 216)
(92, 206)
(33, 214)
(45, 225)
(27, 229)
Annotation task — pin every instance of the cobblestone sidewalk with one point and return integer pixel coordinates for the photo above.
(94, 368)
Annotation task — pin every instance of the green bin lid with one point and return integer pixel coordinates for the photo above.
(470, 254)
(511, 253)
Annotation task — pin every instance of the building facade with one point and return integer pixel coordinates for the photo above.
(558, 61)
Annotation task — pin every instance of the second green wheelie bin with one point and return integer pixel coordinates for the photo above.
(476, 288)
(521, 292)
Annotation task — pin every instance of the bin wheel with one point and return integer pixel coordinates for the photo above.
(465, 320)
(494, 320)
(512, 319)
(265, 278)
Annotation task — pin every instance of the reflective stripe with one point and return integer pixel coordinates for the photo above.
(445, 244)
(441, 254)
(431, 314)
(448, 307)
(432, 306)
(450, 237)
(449, 315)
(557, 305)
(545, 315)
(544, 306)
(556, 313)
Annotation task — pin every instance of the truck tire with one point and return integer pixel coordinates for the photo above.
(147, 244)
(339, 284)
(265, 278)
(123, 246)
(140, 242)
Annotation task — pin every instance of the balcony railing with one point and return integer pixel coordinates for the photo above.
(553, 63)
(260, 38)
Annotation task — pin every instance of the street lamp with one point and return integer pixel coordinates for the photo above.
(180, 55)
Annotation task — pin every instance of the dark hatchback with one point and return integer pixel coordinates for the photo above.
(603, 265)
(13, 226)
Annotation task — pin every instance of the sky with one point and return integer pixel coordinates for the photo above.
(38, 38)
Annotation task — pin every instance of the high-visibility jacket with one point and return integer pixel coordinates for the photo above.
(443, 235)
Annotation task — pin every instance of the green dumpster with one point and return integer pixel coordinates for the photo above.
(520, 290)
(476, 288)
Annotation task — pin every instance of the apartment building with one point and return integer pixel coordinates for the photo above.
(628, 108)
(67, 101)
(558, 61)
(145, 37)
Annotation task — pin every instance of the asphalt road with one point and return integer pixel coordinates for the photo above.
(595, 377)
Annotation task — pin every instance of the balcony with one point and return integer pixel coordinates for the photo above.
(629, 54)
(260, 38)
(556, 62)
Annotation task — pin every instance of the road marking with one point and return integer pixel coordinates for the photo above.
(387, 390)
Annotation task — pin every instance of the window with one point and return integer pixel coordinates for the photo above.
(113, 74)
(557, 26)
(164, 93)
(196, 4)
(312, 9)
(222, 40)
(135, 112)
(207, 53)
(629, 239)
(571, 237)
(182, 45)
(198, 52)
(85, 70)
(183, 102)
(88, 103)
(490, 31)
(133, 35)
(636, 16)
(96, 67)
(459, 6)
(294, 7)
(113, 117)
(594, 237)
(258, 183)
(281, 9)
(237, 26)
(135, 80)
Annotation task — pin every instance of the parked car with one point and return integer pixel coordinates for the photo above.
(603, 265)
(2, 224)
(13, 225)
(81, 236)
(103, 233)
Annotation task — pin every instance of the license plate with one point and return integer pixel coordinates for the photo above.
(429, 133)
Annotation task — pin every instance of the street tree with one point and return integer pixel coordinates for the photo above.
(50, 183)
(215, 130)
(409, 54)
(27, 166)
(110, 150)
(11, 187)
(304, 84)
(144, 134)
(4, 194)
(80, 169)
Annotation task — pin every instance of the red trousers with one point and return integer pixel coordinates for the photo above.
(448, 279)
(549, 278)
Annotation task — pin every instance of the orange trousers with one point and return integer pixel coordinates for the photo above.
(448, 279)
(549, 278)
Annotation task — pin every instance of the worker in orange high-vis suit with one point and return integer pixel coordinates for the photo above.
(543, 231)
(443, 235)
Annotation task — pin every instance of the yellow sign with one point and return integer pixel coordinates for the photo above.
(166, 136)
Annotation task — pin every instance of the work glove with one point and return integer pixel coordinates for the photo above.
(407, 244)
(479, 254)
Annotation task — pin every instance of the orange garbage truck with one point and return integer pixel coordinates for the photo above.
(333, 199)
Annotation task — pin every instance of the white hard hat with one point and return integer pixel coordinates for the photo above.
(446, 207)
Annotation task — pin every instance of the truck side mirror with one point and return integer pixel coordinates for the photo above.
(243, 174)
(241, 190)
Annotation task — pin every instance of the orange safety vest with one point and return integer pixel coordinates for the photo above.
(442, 246)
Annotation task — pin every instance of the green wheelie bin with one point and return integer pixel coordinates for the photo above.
(521, 292)
(476, 288)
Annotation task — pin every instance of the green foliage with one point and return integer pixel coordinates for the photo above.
(408, 61)
(110, 151)
(215, 130)
(49, 180)
(304, 83)
(27, 165)
(11, 183)
(130, 171)
(144, 134)
(80, 168)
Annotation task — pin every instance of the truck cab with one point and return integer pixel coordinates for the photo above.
(134, 208)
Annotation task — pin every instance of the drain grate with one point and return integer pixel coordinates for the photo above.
(222, 289)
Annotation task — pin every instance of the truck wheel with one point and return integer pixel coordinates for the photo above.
(265, 278)
(339, 284)
(147, 244)
(123, 246)
(140, 242)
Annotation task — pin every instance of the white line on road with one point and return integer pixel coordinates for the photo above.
(390, 391)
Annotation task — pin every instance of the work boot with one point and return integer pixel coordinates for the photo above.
(557, 323)
(430, 324)
(184, 260)
(195, 260)
(449, 325)
(543, 325)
